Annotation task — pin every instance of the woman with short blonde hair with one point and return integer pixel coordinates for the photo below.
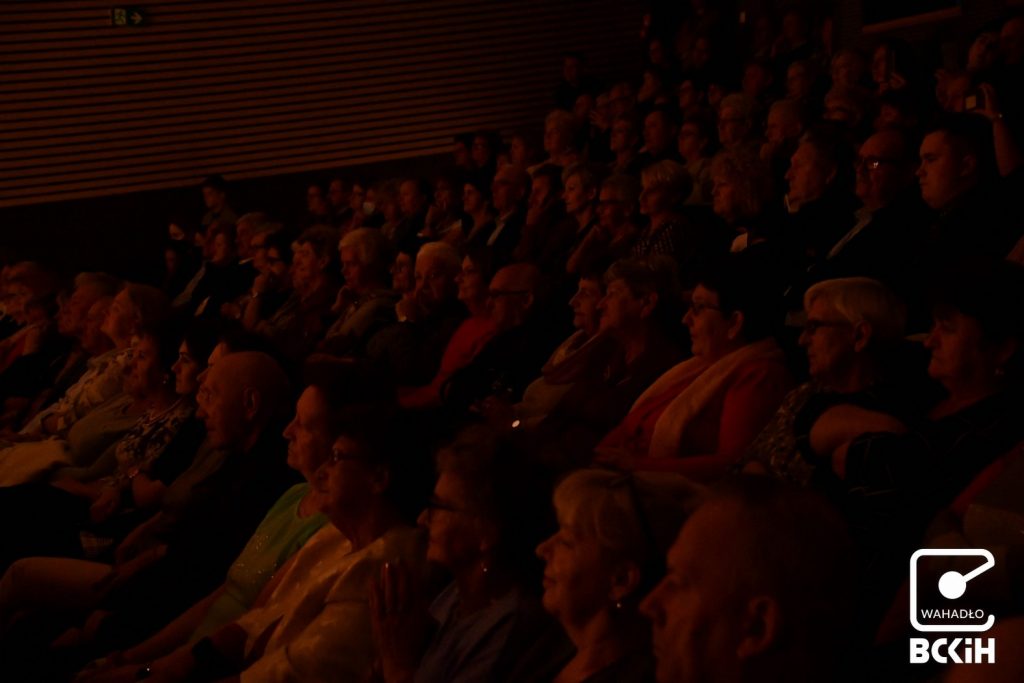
(614, 530)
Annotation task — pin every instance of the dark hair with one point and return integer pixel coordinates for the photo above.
(324, 241)
(483, 258)
(739, 290)
(553, 174)
(504, 488)
(282, 241)
(371, 425)
(200, 337)
(216, 182)
(168, 339)
(988, 290)
(970, 135)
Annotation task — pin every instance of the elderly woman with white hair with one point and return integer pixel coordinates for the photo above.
(365, 304)
(614, 531)
(852, 335)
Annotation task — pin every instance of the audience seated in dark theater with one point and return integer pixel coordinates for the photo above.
(92, 504)
(752, 167)
(894, 475)
(297, 324)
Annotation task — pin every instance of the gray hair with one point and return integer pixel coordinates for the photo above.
(862, 299)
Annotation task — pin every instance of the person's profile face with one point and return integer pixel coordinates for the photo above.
(723, 196)
(472, 199)
(939, 171)
(577, 575)
(806, 178)
(471, 282)
(574, 195)
(452, 530)
(352, 269)
(691, 609)
(584, 305)
(213, 198)
(828, 340)
(612, 212)
(186, 372)
(619, 308)
(308, 434)
(959, 352)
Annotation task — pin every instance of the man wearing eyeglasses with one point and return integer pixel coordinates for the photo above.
(514, 356)
(892, 218)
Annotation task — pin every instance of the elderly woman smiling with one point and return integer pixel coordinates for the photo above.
(614, 530)
(852, 335)
(700, 416)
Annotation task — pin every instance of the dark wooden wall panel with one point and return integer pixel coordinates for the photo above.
(263, 87)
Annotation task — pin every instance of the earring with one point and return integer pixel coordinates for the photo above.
(484, 567)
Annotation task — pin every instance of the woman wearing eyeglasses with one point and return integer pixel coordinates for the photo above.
(698, 418)
(482, 527)
(614, 531)
(311, 621)
(853, 336)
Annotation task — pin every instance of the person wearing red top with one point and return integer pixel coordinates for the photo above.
(470, 336)
(700, 416)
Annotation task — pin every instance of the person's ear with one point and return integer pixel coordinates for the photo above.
(251, 402)
(831, 175)
(968, 165)
(759, 630)
(735, 325)
(1004, 352)
(529, 301)
(323, 261)
(862, 332)
(650, 302)
(592, 195)
(625, 581)
(381, 480)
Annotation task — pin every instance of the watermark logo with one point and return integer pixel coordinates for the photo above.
(937, 615)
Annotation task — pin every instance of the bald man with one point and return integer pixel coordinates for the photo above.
(767, 606)
(212, 509)
(524, 340)
(412, 348)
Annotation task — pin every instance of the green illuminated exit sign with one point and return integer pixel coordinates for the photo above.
(127, 16)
